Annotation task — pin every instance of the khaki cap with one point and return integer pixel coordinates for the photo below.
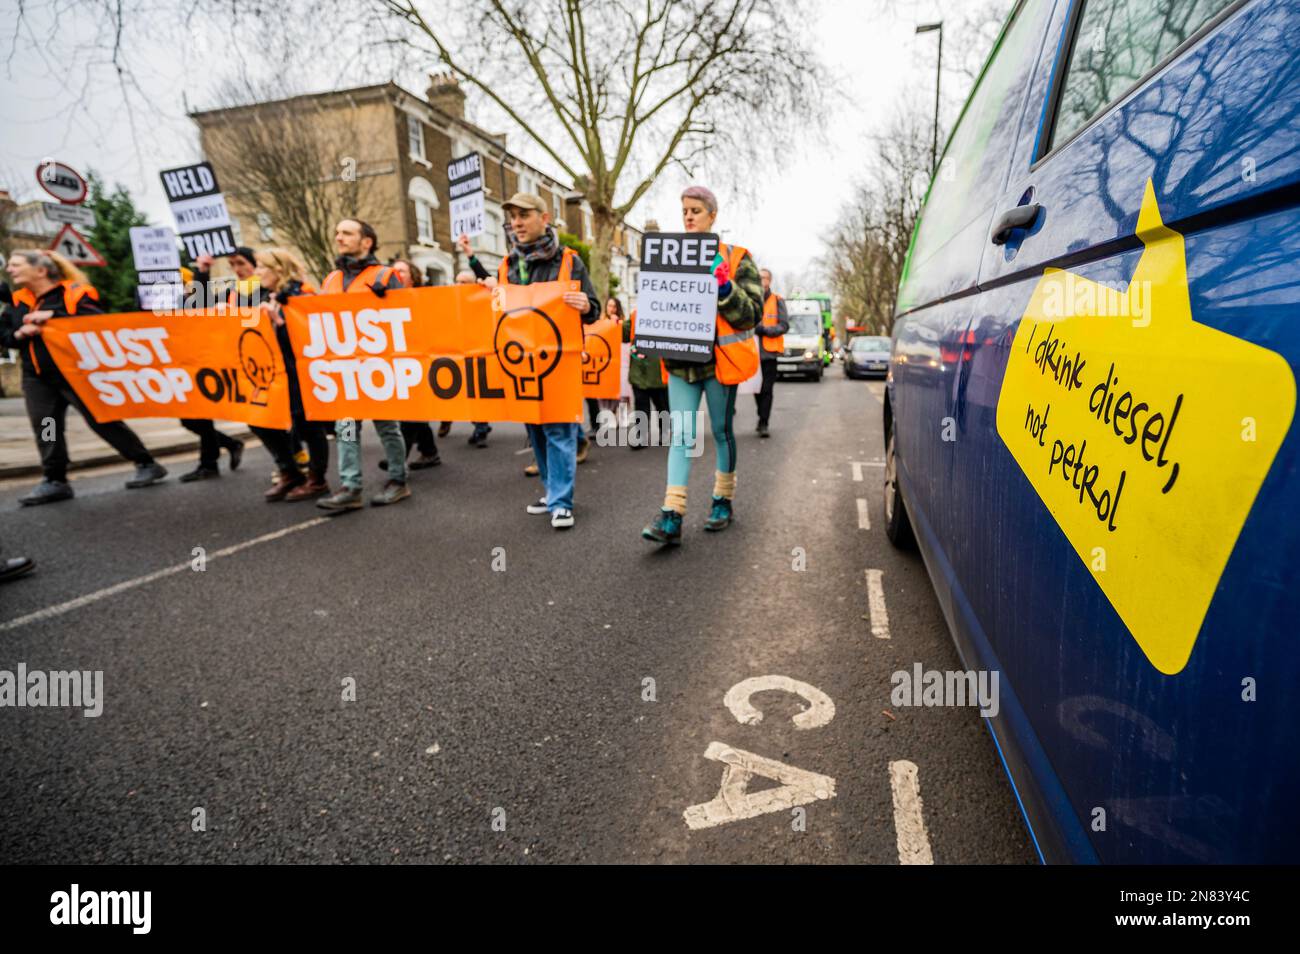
(526, 200)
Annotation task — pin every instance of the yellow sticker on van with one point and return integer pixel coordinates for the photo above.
(1145, 434)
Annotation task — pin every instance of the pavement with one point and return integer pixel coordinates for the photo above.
(449, 680)
(19, 457)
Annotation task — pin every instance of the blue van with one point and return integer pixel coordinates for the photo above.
(1089, 420)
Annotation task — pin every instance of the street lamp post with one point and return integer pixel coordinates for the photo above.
(938, 76)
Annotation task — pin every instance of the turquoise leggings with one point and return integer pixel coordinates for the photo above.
(684, 402)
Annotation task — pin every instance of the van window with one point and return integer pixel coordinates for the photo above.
(979, 150)
(1116, 44)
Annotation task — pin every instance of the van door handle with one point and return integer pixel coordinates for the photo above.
(1021, 217)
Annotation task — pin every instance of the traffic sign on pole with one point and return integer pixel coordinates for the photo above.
(61, 181)
(73, 246)
(69, 214)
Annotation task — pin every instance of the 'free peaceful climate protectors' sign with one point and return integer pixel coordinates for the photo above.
(677, 296)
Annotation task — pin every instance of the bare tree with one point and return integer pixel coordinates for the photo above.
(616, 92)
(303, 163)
(867, 247)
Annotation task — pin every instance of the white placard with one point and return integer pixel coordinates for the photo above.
(154, 249)
(677, 296)
(465, 187)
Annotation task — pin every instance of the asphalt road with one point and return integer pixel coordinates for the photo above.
(500, 714)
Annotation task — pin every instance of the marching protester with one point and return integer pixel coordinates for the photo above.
(211, 440)
(476, 275)
(597, 408)
(771, 338)
(649, 390)
(49, 288)
(735, 359)
(537, 256)
(417, 434)
(284, 277)
(357, 271)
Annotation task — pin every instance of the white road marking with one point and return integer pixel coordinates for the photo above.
(61, 608)
(864, 518)
(876, 599)
(525, 450)
(733, 803)
(820, 711)
(859, 464)
(909, 823)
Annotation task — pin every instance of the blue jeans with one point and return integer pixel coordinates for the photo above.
(348, 433)
(555, 448)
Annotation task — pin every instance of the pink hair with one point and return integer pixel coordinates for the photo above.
(704, 195)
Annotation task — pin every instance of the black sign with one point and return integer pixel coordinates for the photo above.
(202, 219)
(679, 252)
(190, 182)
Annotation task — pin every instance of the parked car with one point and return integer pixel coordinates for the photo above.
(867, 356)
(1089, 420)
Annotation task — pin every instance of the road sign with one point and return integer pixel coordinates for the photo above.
(465, 177)
(73, 246)
(63, 182)
(69, 214)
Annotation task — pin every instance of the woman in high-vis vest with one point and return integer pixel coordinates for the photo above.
(283, 276)
(49, 288)
(735, 359)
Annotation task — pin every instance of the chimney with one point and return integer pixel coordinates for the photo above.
(444, 94)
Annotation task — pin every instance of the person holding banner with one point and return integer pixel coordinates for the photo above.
(476, 275)
(537, 256)
(51, 288)
(734, 359)
(284, 277)
(357, 271)
(771, 338)
(417, 434)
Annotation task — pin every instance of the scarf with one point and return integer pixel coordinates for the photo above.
(540, 250)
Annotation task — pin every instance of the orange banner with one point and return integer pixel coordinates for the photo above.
(455, 353)
(204, 364)
(601, 358)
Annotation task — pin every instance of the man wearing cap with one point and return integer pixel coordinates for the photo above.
(536, 256)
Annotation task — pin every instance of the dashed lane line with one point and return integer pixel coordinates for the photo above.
(60, 608)
(909, 823)
(876, 600)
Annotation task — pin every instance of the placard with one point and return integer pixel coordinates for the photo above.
(468, 215)
(677, 296)
(202, 218)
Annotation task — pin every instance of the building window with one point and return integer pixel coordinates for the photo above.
(493, 239)
(527, 183)
(415, 137)
(557, 204)
(421, 192)
(264, 228)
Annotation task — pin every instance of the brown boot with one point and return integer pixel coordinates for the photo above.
(308, 491)
(285, 481)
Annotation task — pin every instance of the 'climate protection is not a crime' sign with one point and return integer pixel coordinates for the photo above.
(677, 296)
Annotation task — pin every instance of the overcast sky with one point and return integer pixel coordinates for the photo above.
(780, 213)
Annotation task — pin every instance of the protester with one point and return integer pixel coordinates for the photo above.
(598, 408)
(417, 434)
(537, 256)
(480, 275)
(649, 390)
(49, 288)
(357, 271)
(735, 359)
(770, 332)
(283, 277)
